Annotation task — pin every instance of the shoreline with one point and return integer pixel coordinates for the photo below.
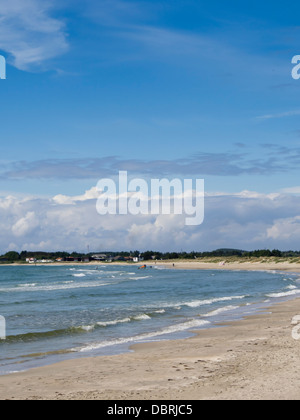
(254, 358)
(182, 265)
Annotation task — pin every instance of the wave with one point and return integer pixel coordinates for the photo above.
(141, 317)
(283, 294)
(146, 336)
(115, 322)
(111, 278)
(86, 270)
(221, 310)
(34, 336)
(60, 286)
(197, 303)
(271, 271)
(160, 311)
(291, 287)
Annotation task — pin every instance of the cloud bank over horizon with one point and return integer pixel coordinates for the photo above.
(245, 220)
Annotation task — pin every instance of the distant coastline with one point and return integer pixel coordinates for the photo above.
(218, 255)
(259, 264)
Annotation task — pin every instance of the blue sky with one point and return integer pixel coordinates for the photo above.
(160, 88)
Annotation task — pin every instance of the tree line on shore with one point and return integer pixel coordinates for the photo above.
(14, 256)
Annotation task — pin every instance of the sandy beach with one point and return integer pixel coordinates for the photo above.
(233, 265)
(255, 358)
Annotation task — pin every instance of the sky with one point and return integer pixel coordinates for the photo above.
(185, 89)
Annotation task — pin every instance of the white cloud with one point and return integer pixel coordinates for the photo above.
(91, 194)
(279, 115)
(291, 190)
(29, 34)
(288, 229)
(25, 225)
(242, 220)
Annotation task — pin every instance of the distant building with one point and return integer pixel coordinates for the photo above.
(118, 258)
(137, 259)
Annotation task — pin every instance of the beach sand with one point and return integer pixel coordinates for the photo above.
(255, 358)
(233, 265)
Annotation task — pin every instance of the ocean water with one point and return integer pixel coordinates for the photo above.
(59, 312)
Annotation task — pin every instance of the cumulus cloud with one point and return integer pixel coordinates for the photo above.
(288, 229)
(244, 220)
(25, 225)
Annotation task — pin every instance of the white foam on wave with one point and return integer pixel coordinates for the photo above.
(87, 327)
(160, 311)
(142, 317)
(283, 294)
(146, 336)
(84, 270)
(79, 275)
(197, 303)
(61, 286)
(115, 322)
(221, 310)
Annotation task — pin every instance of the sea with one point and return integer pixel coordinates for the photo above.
(54, 313)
